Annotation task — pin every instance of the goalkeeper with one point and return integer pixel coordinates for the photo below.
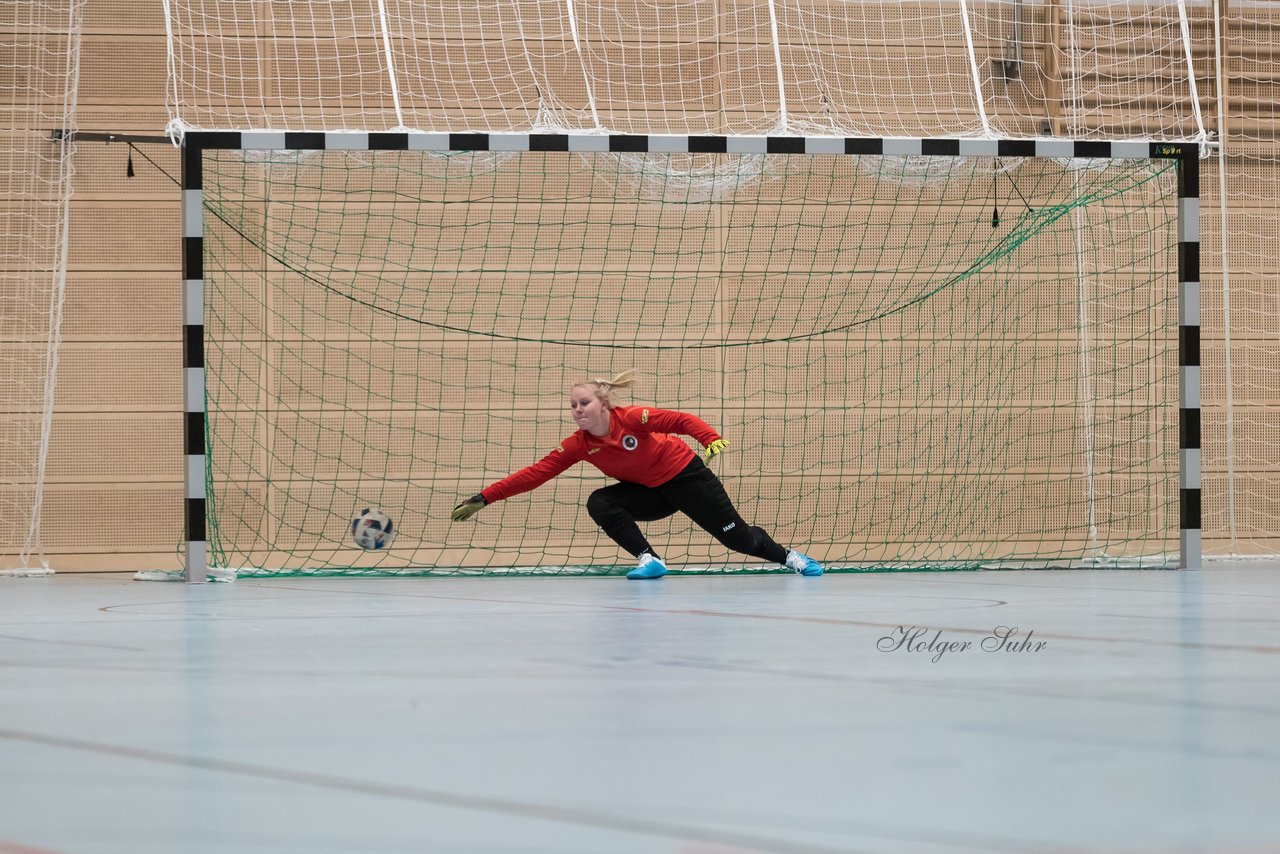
(658, 475)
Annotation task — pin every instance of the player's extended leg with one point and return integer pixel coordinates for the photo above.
(617, 508)
(700, 495)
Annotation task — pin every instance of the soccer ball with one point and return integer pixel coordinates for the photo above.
(372, 529)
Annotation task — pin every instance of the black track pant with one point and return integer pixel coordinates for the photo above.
(695, 492)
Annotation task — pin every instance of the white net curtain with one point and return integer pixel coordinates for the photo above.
(917, 68)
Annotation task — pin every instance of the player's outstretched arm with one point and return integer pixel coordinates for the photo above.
(529, 477)
(468, 508)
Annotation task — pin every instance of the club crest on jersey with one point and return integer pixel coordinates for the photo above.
(630, 442)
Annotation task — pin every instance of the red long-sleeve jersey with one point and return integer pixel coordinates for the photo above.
(639, 449)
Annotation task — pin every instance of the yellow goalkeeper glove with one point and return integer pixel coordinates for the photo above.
(714, 450)
(468, 508)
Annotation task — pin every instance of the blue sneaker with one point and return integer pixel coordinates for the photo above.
(803, 564)
(650, 567)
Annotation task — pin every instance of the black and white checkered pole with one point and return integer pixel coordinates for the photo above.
(195, 567)
(1188, 350)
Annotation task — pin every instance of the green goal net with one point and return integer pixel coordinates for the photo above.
(919, 362)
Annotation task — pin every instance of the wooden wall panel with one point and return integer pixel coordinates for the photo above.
(124, 235)
(106, 447)
(122, 71)
(1254, 373)
(127, 520)
(135, 306)
(101, 170)
(122, 17)
(119, 377)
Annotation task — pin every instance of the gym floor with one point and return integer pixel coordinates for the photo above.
(1030, 711)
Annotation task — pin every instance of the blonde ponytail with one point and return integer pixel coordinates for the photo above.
(604, 388)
